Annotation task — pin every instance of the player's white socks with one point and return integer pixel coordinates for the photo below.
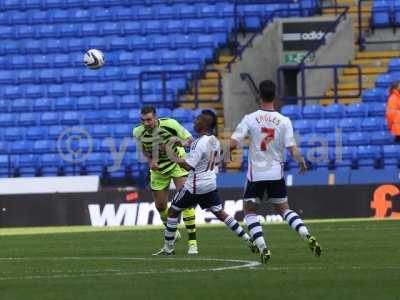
(295, 222)
(170, 231)
(236, 228)
(253, 223)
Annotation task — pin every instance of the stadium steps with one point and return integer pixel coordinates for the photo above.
(209, 90)
(372, 64)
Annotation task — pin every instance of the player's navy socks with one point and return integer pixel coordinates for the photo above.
(170, 230)
(295, 222)
(253, 223)
(236, 228)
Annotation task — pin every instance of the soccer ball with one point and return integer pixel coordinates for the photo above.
(94, 59)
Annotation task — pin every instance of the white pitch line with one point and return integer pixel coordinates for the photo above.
(243, 264)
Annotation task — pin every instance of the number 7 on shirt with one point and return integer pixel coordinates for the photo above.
(269, 136)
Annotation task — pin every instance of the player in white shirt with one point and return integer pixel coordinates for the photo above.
(270, 135)
(201, 186)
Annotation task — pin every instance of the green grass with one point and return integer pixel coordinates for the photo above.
(361, 260)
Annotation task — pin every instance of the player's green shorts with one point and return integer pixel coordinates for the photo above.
(160, 181)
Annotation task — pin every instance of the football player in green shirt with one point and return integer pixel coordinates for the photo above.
(154, 135)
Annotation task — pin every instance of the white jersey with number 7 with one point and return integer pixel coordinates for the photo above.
(270, 133)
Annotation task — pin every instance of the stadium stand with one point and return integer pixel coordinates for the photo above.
(44, 87)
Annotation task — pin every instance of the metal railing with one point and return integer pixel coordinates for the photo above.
(171, 97)
(303, 93)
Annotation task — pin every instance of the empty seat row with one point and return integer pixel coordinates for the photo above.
(316, 111)
(48, 4)
(185, 56)
(116, 13)
(380, 137)
(108, 73)
(112, 43)
(344, 124)
(74, 117)
(116, 28)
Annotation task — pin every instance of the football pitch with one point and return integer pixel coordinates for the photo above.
(361, 260)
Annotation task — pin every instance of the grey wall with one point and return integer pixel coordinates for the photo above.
(264, 57)
(261, 61)
(339, 49)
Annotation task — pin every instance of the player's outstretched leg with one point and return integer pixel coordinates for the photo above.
(254, 226)
(233, 225)
(169, 237)
(297, 224)
(189, 218)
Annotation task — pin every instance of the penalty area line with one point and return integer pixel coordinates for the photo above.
(238, 264)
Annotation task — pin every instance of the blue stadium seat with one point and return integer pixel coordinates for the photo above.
(326, 125)
(75, 44)
(182, 115)
(55, 131)
(20, 105)
(7, 32)
(94, 164)
(90, 29)
(129, 101)
(70, 118)
(60, 61)
(99, 89)
(49, 76)
(371, 124)
(70, 75)
(58, 16)
(46, 31)
(102, 13)
(394, 63)
(121, 88)
(27, 119)
(50, 164)
(109, 102)
(7, 77)
(65, 103)
(27, 165)
(345, 156)
(56, 90)
(80, 15)
(383, 81)
(165, 112)
(14, 134)
(92, 117)
(39, 16)
(358, 138)
(293, 112)
(101, 131)
(35, 91)
(376, 109)
(49, 118)
(134, 116)
(13, 92)
(381, 138)
(374, 95)
(44, 146)
(110, 28)
(368, 155)
(36, 133)
(356, 110)
(21, 147)
(7, 120)
(77, 90)
(336, 138)
(91, 75)
(86, 103)
(334, 111)
(118, 116)
(303, 126)
(42, 104)
(123, 130)
(349, 124)
(4, 105)
(380, 17)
